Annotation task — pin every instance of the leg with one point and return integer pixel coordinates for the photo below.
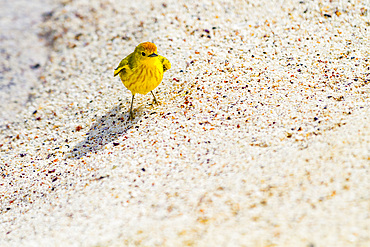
(132, 101)
(155, 100)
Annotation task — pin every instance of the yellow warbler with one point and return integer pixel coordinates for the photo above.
(142, 71)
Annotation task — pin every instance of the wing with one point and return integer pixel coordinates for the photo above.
(123, 66)
(165, 62)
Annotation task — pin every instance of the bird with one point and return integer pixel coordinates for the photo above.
(142, 71)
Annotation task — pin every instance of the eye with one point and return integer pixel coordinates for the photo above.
(143, 53)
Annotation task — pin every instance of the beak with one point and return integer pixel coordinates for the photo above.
(153, 55)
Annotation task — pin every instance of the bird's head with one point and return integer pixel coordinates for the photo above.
(146, 50)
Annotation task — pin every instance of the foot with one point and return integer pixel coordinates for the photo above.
(155, 100)
(131, 117)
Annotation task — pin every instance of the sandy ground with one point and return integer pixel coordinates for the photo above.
(23, 54)
(261, 137)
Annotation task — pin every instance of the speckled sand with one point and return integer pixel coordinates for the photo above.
(23, 54)
(262, 136)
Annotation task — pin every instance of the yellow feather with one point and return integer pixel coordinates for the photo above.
(142, 71)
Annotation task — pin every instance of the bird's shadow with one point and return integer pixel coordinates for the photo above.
(104, 130)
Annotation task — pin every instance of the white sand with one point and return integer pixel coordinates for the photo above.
(23, 54)
(262, 136)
